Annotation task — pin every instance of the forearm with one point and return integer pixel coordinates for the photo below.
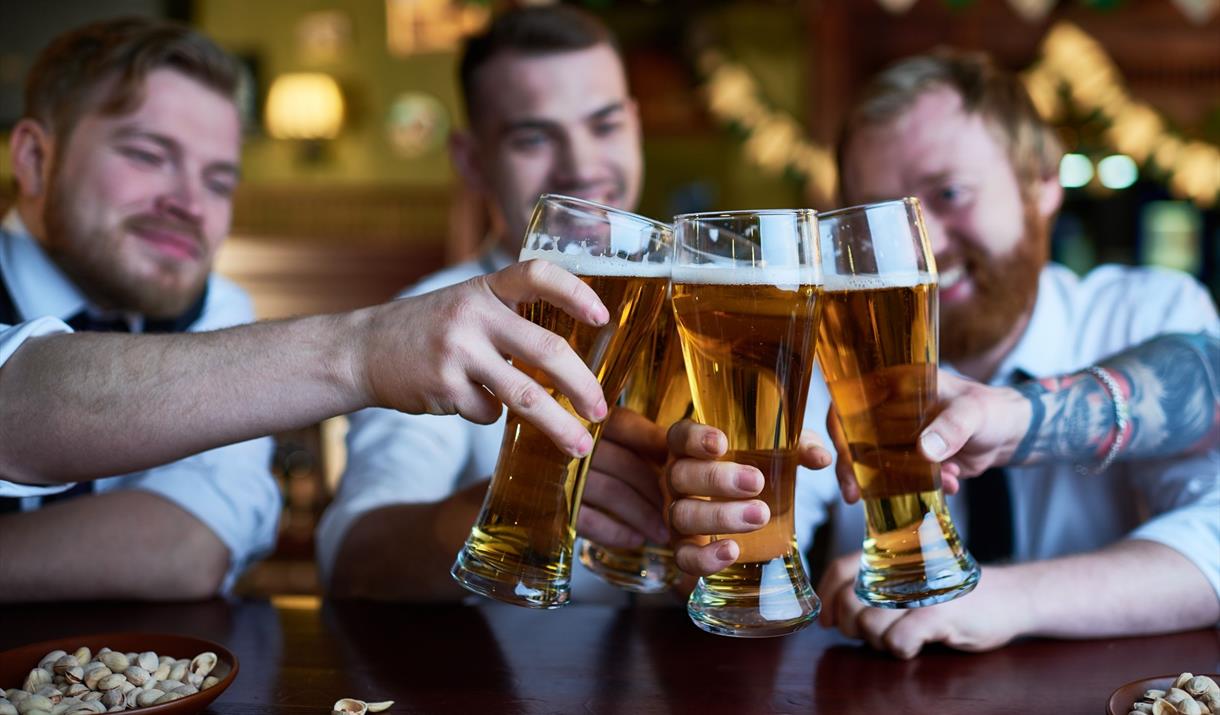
(403, 552)
(118, 545)
(1130, 588)
(1173, 396)
(89, 405)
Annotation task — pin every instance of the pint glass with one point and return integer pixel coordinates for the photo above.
(878, 351)
(520, 548)
(657, 389)
(746, 289)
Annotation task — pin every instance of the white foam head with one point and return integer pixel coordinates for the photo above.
(876, 282)
(732, 274)
(583, 264)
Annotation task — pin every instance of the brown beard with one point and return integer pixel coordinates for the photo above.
(1005, 289)
(90, 259)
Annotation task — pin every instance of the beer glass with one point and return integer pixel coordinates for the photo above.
(746, 288)
(520, 548)
(657, 389)
(878, 351)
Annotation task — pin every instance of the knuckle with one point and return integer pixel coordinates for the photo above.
(527, 395)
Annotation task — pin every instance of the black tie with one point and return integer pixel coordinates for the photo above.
(84, 322)
(989, 516)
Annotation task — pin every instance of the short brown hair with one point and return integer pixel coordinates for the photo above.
(531, 31)
(999, 96)
(102, 67)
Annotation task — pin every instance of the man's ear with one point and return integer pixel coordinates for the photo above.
(464, 153)
(31, 151)
(1050, 196)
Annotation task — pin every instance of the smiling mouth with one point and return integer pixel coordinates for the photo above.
(951, 277)
(169, 242)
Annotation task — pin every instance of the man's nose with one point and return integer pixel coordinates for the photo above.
(578, 159)
(182, 199)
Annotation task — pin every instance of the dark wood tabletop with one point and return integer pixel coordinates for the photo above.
(299, 656)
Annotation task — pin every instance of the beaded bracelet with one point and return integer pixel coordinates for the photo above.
(1122, 414)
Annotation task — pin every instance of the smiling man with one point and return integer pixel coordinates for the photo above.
(125, 162)
(548, 111)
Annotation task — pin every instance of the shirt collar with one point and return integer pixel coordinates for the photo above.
(1042, 349)
(37, 285)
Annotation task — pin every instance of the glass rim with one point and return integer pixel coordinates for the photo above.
(743, 212)
(564, 198)
(905, 200)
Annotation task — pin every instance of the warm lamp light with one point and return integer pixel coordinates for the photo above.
(304, 105)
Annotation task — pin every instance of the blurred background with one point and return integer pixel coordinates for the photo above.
(348, 195)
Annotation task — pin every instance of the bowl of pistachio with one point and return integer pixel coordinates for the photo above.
(154, 673)
(1182, 694)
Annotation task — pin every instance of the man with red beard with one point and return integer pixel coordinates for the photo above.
(963, 137)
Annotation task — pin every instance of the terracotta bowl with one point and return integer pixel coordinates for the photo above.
(1122, 699)
(16, 664)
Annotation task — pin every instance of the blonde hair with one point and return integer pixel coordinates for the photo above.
(999, 96)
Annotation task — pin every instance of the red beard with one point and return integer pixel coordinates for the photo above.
(1005, 289)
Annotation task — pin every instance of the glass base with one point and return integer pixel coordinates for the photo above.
(520, 586)
(917, 585)
(648, 569)
(755, 600)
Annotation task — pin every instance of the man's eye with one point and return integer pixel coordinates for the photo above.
(528, 140)
(604, 129)
(142, 156)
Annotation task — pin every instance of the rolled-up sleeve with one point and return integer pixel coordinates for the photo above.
(11, 338)
(1183, 496)
(393, 458)
(230, 490)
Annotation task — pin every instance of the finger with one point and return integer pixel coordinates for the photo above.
(704, 560)
(949, 480)
(612, 496)
(531, 402)
(528, 281)
(907, 636)
(837, 581)
(811, 452)
(604, 530)
(542, 349)
(729, 480)
(872, 624)
(949, 431)
(615, 460)
(691, 439)
(638, 433)
(700, 516)
(847, 611)
(848, 486)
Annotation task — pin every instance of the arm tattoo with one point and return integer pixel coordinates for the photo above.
(1172, 386)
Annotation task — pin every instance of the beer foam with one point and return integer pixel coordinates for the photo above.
(583, 264)
(876, 282)
(713, 274)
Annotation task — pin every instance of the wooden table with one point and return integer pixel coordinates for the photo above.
(300, 656)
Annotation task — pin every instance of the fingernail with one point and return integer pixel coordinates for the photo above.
(746, 480)
(711, 442)
(754, 514)
(601, 410)
(724, 552)
(600, 315)
(933, 446)
(584, 445)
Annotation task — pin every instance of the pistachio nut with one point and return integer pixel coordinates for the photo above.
(91, 696)
(1199, 685)
(63, 663)
(7, 707)
(1182, 680)
(37, 678)
(1164, 707)
(137, 675)
(112, 681)
(34, 702)
(349, 706)
(51, 693)
(378, 707)
(148, 697)
(1177, 695)
(168, 698)
(179, 670)
(83, 655)
(1190, 707)
(117, 662)
(162, 671)
(96, 674)
(168, 685)
(1142, 707)
(209, 682)
(112, 697)
(203, 663)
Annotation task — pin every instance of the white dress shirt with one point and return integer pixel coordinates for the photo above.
(230, 489)
(1077, 322)
(396, 458)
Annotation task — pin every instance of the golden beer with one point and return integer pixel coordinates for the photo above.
(749, 356)
(878, 347)
(520, 548)
(657, 389)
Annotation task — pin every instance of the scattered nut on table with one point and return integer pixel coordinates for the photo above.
(84, 683)
(1189, 695)
(352, 706)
